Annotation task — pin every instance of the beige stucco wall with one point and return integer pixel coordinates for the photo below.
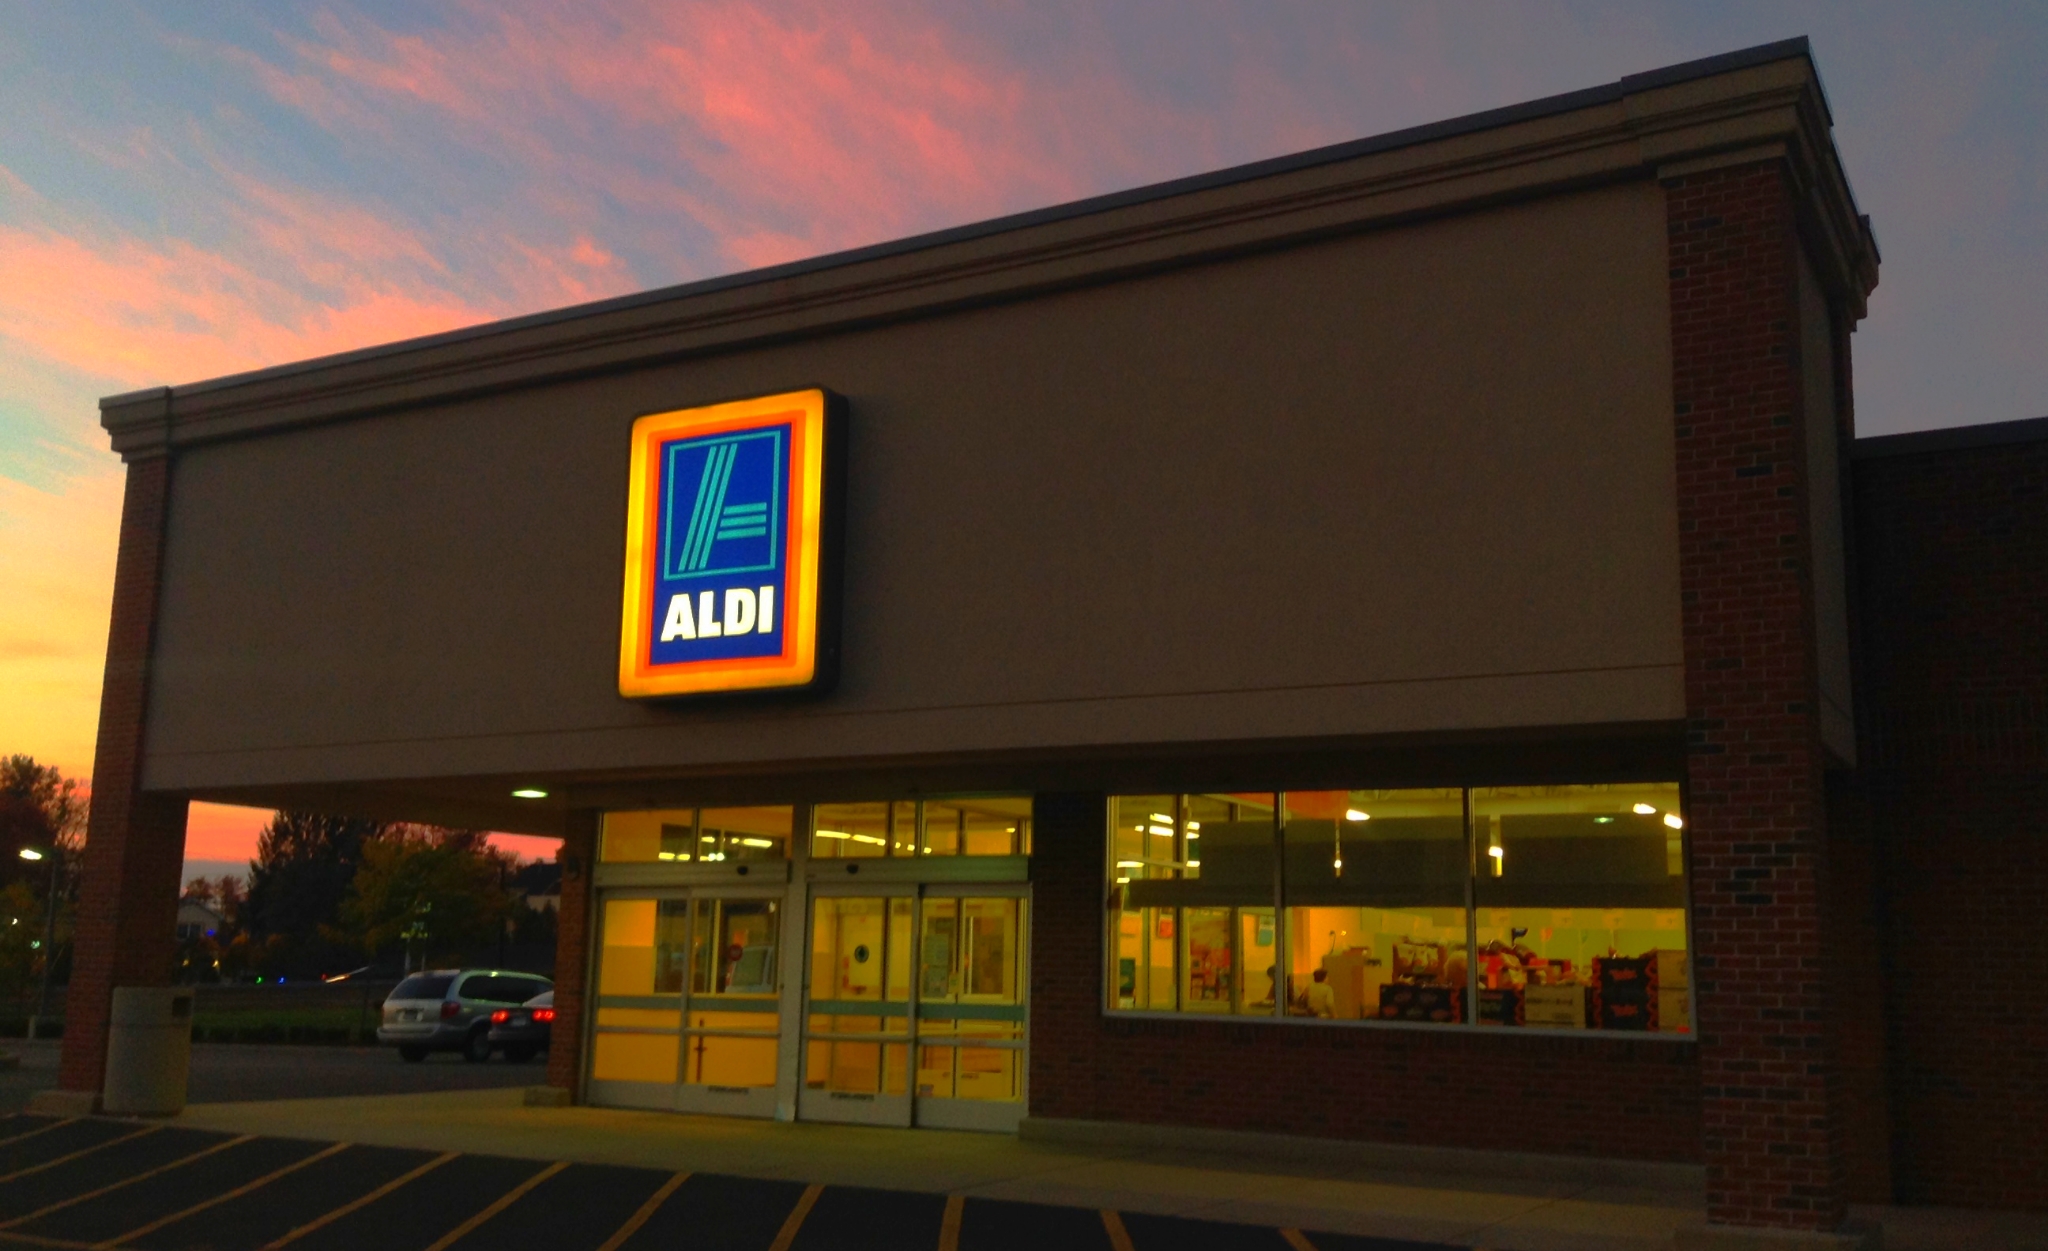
(1419, 479)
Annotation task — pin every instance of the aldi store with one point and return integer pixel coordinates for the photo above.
(1354, 647)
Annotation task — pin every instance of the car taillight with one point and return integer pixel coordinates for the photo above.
(449, 1009)
(543, 1015)
(500, 1017)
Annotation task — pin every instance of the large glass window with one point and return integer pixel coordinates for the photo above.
(1557, 907)
(1581, 898)
(696, 835)
(1375, 891)
(1194, 924)
(996, 825)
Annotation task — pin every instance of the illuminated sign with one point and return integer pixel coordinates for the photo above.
(729, 548)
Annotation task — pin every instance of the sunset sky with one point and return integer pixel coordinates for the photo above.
(194, 190)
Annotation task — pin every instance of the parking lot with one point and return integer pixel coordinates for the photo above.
(240, 1072)
(110, 1183)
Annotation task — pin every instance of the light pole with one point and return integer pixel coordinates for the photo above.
(56, 859)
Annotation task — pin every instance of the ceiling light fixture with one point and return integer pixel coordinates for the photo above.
(1675, 821)
(1645, 810)
(1355, 814)
(529, 792)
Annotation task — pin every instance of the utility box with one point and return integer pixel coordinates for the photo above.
(149, 1051)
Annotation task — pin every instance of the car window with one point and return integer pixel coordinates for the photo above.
(420, 986)
(499, 989)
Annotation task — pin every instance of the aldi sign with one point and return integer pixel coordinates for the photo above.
(729, 548)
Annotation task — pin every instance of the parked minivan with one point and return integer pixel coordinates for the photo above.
(450, 1010)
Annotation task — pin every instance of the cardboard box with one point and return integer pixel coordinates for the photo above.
(1400, 1001)
(1674, 968)
(1674, 1010)
(1554, 1007)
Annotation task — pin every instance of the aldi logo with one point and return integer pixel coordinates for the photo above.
(728, 548)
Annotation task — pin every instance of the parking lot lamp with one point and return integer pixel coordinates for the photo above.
(56, 858)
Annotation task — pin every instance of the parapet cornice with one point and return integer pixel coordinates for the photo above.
(1762, 103)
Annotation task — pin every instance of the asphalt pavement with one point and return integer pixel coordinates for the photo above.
(240, 1072)
(98, 1183)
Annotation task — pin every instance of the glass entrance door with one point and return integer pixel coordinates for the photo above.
(970, 1011)
(686, 1015)
(857, 1010)
(960, 1021)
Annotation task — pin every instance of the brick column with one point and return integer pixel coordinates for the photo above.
(135, 842)
(1068, 902)
(573, 933)
(1769, 1073)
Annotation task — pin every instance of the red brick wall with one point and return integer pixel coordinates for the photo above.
(572, 952)
(1769, 1077)
(1953, 572)
(1443, 1088)
(135, 843)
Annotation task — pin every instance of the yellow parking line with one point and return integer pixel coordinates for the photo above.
(504, 1201)
(66, 1159)
(362, 1201)
(1298, 1240)
(38, 1240)
(236, 1193)
(639, 1218)
(144, 1175)
(1119, 1238)
(796, 1217)
(40, 1129)
(949, 1224)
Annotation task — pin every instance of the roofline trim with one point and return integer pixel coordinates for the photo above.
(1951, 439)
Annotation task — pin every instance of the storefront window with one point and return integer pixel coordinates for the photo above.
(1375, 891)
(1194, 926)
(997, 825)
(696, 835)
(1581, 897)
(1558, 907)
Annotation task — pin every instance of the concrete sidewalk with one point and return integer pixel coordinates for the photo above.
(1503, 1214)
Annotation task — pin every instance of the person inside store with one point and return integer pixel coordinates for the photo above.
(1320, 998)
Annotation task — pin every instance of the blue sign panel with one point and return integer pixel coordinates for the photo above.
(720, 581)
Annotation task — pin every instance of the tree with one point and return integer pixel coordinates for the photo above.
(437, 894)
(304, 865)
(39, 807)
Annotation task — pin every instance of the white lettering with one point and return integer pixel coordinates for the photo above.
(767, 625)
(677, 625)
(739, 611)
(707, 624)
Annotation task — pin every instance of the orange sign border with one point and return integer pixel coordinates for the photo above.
(797, 665)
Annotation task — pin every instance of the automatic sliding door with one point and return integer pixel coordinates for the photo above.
(857, 1010)
(637, 1030)
(731, 1028)
(971, 1011)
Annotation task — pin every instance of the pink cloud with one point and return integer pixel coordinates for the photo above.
(781, 133)
(143, 312)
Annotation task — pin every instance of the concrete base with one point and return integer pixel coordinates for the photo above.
(549, 1097)
(1676, 1179)
(1708, 1237)
(64, 1103)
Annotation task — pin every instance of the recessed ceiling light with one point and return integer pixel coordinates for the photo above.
(1354, 814)
(1644, 810)
(529, 792)
(1675, 821)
